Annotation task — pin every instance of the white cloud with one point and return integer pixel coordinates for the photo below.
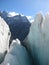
(30, 18)
(13, 13)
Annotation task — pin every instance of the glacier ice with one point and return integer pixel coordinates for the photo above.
(4, 38)
(37, 41)
(17, 55)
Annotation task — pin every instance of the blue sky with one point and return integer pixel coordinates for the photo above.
(26, 7)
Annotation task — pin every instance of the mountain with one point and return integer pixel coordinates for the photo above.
(19, 25)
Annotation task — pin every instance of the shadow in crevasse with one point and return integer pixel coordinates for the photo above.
(2, 56)
(35, 56)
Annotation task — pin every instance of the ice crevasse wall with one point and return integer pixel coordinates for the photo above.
(17, 55)
(37, 41)
(4, 35)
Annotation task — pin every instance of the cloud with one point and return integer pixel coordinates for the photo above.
(30, 18)
(13, 13)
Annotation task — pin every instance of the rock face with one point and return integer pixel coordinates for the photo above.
(37, 41)
(19, 25)
(4, 36)
(21, 28)
(17, 55)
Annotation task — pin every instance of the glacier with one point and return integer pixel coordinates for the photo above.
(4, 38)
(29, 42)
(37, 41)
(17, 55)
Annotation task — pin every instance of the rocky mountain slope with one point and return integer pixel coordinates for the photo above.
(19, 25)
